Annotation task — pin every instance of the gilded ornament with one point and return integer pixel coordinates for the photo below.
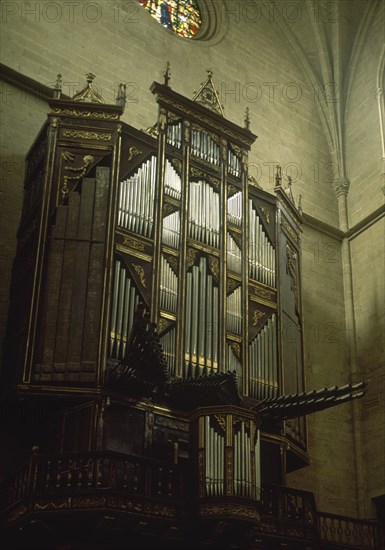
(177, 164)
(136, 245)
(133, 152)
(173, 262)
(140, 272)
(257, 315)
(187, 131)
(79, 134)
(236, 349)
(214, 181)
(266, 214)
(192, 254)
(231, 190)
(197, 172)
(214, 267)
(289, 230)
(86, 113)
(81, 171)
(232, 284)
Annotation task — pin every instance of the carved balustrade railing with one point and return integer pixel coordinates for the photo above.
(349, 532)
(50, 476)
(95, 472)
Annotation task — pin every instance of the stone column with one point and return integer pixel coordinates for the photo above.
(342, 189)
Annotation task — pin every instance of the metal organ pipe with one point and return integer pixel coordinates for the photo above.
(136, 200)
(124, 301)
(172, 181)
(168, 286)
(204, 214)
(214, 459)
(263, 368)
(205, 147)
(234, 209)
(171, 230)
(174, 135)
(233, 164)
(168, 342)
(261, 251)
(234, 255)
(234, 311)
(201, 321)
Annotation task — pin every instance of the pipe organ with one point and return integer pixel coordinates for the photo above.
(168, 219)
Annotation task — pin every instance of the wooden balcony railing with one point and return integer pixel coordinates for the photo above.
(104, 478)
(103, 472)
(350, 533)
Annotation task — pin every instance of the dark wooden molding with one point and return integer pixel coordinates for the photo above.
(27, 84)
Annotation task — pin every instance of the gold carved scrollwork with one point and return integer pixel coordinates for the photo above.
(232, 284)
(289, 230)
(224, 150)
(291, 257)
(140, 272)
(264, 294)
(136, 245)
(87, 135)
(197, 172)
(80, 170)
(237, 350)
(162, 123)
(266, 214)
(173, 261)
(237, 238)
(187, 128)
(230, 508)
(231, 190)
(192, 254)
(133, 152)
(168, 209)
(162, 325)
(214, 267)
(177, 164)
(257, 316)
(98, 115)
(220, 418)
(214, 181)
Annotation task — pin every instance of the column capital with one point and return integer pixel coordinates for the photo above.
(341, 187)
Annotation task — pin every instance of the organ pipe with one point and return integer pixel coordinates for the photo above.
(234, 209)
(204, 216)
(263, 368)
(174, 135)
(234, 255)
(136, 200)
(234, 311)
(172, 181)
(204, 147)
(214, 459)
(168, 286)
(171, 230)
(168, 342)
(261, 251)
(124, 302)
(201, 320)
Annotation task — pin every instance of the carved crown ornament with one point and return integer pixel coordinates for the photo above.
(89, 94)
(208, 96)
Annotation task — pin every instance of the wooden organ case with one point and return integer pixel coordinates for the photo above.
(113, 218)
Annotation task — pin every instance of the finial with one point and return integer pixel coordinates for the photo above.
(278, 176)
(300, 204)
(289, 182)
(58, 87)
(209, 73)
(167, 74)
(88, 93)
(121, 98)
(247, 119)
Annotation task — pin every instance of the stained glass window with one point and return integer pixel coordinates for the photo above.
(181, 16)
